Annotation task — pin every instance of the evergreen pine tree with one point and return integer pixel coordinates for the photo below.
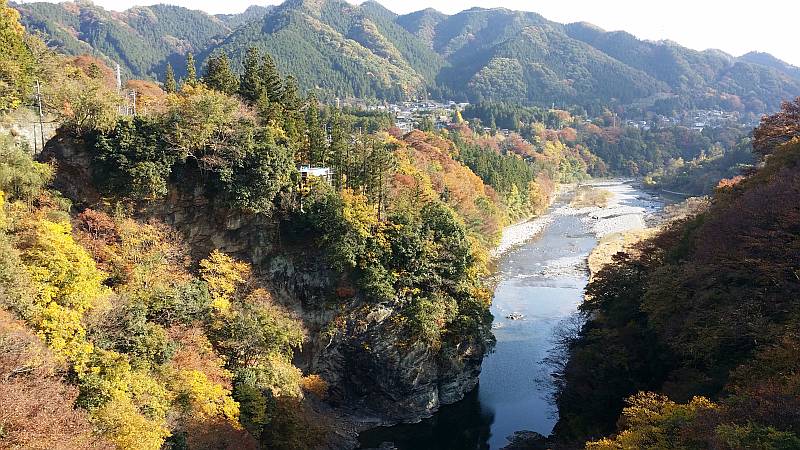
(380, 162)
(271, 79)
(338, 153)
(292, 116)
(170, 85)
(191, 70)
(218, 74)
(290, 97)
(315, 133)
(250, 86)
(263, 108)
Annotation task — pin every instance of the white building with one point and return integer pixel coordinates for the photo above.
(325, 173)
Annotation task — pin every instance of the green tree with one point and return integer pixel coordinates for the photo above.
(191, 70)
(21, 178)
(219, 75)
(338, 148)
(262, 169)
(292, 117)
(380, 163)
(427, 125)
(170, 85)
(133, 159)
(16, 61)
(315, 137)
(82, 103)
(290, 96)
(250, 85)
(271, 79)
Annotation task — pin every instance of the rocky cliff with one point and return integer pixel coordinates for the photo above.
(376, 375)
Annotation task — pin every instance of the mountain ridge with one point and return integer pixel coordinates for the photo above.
(368, 51)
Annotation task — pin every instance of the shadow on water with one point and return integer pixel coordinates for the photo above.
(460, 426)
(542, 282)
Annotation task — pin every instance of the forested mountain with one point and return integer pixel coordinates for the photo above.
(172, 278)
(698, 325)
(709, 78)
(340, 48)
(765, 59)
(142, 39)
(250, 14)
(478, 54)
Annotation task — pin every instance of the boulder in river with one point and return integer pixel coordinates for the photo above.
(526, 440)
(515, 316)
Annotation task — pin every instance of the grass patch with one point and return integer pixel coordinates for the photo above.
(587, 196)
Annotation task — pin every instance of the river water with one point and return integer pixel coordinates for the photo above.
(543, 280)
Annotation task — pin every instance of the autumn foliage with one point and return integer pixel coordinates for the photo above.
(38, 404)
(777, 129)
(704, 314)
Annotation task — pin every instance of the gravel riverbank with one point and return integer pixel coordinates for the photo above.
(627, 210)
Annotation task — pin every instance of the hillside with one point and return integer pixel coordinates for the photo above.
(368, 51)
(252, 13)
(694, 332)
(142, 39)
(765, 59)
(340, 48)
(704, 79)
(174, 278)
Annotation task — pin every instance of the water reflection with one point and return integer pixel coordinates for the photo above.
(543, 281)
(461, 426)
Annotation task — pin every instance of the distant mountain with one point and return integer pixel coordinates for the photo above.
(340, 48)
(252, 13)
(765, 59)
(365, 50)
(709, 78)
(422, 24)
(509, 55)
(141, 39)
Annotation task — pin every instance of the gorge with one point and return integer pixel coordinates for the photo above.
(350, 228)
(542, 280)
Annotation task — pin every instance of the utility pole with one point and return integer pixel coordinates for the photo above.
(41, 118)
(133, 94)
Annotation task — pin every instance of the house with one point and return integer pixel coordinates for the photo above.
(326, 173)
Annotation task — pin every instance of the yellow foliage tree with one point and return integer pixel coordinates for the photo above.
(67, 284)
(3, 221)
(205, 399)
(128, 406)
(64, 271)
(223, 275)
(359, 213)
(16, 61)
(122, 423)
(652, 421)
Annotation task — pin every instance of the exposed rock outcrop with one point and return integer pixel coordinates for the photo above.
(376, 375)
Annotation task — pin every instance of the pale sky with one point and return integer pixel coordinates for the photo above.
(734, 26)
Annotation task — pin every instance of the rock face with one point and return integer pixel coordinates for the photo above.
(375, 376)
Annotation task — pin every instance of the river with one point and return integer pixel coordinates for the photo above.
(543, 280)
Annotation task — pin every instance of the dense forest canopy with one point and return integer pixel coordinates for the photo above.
(701, 320)
(367, 51)
(325, 234)
(151, 342)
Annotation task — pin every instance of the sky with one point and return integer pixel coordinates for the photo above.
(734, 26)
